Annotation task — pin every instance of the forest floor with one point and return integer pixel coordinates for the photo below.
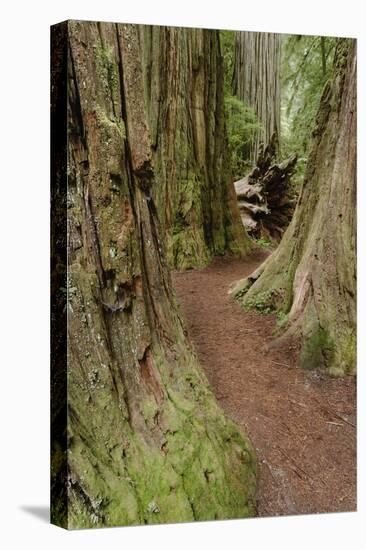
(301, 423)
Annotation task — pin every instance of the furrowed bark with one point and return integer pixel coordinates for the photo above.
(256, 81)
(147, 442)
(195, 198)
(311, 277)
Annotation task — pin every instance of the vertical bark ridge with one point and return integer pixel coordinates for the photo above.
(256, 81)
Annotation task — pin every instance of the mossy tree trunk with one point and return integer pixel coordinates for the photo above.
(256, 81)
(311, 277)
(147, 442)
(184, 91)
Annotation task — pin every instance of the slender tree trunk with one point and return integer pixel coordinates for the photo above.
(311, 276)
(184, 91)
(256, 81)
(147, 442)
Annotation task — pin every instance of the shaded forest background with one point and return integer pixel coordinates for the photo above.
(299, 66)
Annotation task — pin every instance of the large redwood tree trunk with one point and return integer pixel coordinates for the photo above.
(311, 277)
(184, 91)
(256, 80)
(147, 442)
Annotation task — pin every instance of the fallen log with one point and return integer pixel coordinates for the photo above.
(265, 197)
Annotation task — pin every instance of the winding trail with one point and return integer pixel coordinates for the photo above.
(301, 423)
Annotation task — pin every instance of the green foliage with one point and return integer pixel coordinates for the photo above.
(227, 41)
(263, 243)
(282, 318)
(242, 127)
(307, 64)
(262, 303)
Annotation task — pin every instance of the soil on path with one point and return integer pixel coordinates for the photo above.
(301, 423)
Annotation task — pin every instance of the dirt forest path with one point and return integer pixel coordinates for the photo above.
(301, 423)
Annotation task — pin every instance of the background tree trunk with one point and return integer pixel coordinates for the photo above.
(311, 277)
(256, 81)
(184, 91)
(147, 442)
